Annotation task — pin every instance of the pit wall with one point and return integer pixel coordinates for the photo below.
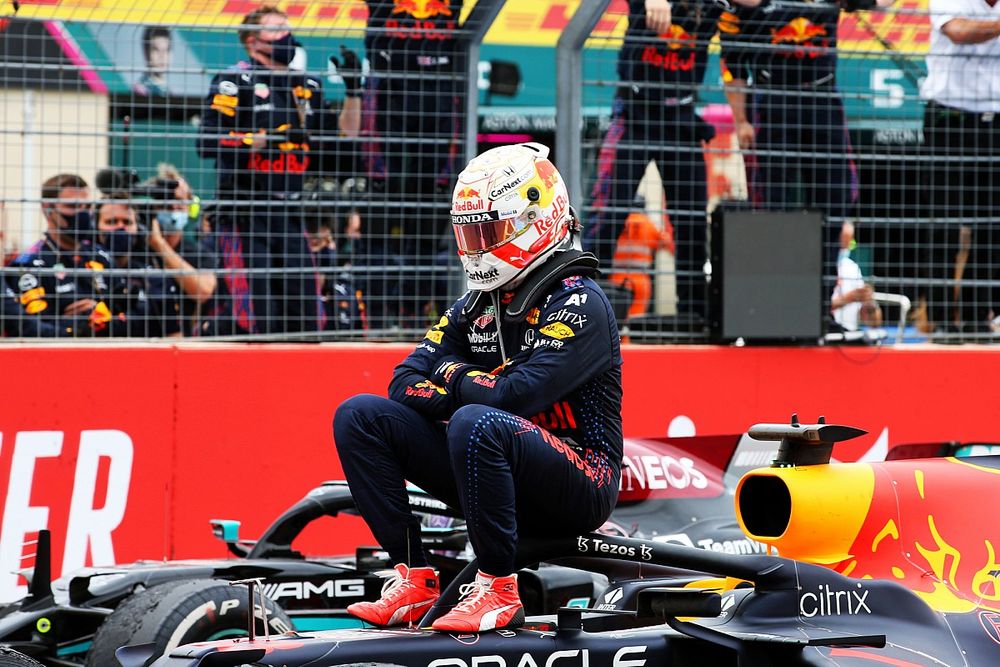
(127, 452)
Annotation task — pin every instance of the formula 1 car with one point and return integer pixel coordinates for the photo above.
(674, 490)
(12, 658)
(890, 568)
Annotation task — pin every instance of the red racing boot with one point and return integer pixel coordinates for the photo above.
(406, 596)
(491, 603)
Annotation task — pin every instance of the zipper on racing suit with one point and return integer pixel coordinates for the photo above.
(495, 298)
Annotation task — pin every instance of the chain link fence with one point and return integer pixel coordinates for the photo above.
(244, 184)
(233, 169)
(795, 106)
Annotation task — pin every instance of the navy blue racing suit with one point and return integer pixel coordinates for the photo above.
(653, 118)
(259, 223)
(789, 56)
(533, 439)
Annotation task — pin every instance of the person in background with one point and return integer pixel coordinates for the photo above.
(156, 48)
(257, 125)
(510, 407)
(412, 127)
(350, 237)
(635, 254)
(852, 303)
(53, 296)
(190, 292)
(780, 72)
(129, 292)
(962, 136)
(342, 303)
(661, 65)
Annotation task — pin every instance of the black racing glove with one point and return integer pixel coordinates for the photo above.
(348, 66)
(855, 5)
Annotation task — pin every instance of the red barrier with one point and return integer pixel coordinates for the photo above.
(127, 452)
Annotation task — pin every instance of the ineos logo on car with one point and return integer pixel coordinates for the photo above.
(661, 472)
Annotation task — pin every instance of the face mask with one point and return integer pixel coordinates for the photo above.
(283, 50)
(119, 241)
(78, 225)
(172, 221)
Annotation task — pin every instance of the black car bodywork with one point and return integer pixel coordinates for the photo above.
(678, 490)
(786, 613)
(669, 605)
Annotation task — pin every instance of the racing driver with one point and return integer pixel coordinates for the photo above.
(510, 407)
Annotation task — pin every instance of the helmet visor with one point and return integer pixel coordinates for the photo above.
(476, 237)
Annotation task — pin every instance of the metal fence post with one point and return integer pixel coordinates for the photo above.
(569, 93)
(479, 20)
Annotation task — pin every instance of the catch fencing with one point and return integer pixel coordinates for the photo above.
(318, 199)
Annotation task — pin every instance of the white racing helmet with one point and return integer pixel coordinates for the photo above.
(509, 211)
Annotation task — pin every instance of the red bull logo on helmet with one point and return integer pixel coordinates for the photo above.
(464, 205)
(547, 172)
(467, 193)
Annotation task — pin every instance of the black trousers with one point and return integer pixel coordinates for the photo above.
(671, 135)
(413, 151)
(962, 191)
(269, 273)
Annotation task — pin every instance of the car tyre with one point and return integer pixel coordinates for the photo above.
(172, 614)
(11, 658)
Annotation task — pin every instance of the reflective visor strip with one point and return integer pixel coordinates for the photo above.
(475, 237)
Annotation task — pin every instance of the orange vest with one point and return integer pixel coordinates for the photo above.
(638, 243)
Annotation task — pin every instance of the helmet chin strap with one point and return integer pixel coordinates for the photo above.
(575, 230)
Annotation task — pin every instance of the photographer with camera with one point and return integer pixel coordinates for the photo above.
(160, 209)
(190, 292)
(257, 125)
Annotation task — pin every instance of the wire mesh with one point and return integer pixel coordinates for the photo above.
(790, 106)
(230, 199)
(206, 171)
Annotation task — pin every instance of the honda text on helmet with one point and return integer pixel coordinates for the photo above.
(510, 210)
